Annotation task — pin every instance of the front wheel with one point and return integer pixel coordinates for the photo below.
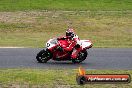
(43, 56)
(81, 57)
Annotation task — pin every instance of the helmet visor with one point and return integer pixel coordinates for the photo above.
(68, 33)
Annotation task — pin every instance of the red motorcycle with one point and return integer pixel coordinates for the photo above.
(55, 51)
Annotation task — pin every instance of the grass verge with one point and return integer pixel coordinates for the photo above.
(17, 5)
(34, 28)
(47, 78)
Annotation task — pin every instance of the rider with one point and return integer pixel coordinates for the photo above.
(72, 41)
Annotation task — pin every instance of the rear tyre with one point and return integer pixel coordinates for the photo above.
(43, 56)
(81, 57)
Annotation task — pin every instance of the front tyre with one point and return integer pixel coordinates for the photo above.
(43, 56)
(81, 57)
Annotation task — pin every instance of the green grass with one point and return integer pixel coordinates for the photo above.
(106, 22)
(17, 5)
(34, 28)
(53, 78)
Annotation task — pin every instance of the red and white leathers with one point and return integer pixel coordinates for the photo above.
(70, 45)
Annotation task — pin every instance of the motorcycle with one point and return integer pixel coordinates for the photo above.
(55, 51)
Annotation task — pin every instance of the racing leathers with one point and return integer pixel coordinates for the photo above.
(70, 46)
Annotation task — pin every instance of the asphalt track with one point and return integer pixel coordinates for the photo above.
(98, 58)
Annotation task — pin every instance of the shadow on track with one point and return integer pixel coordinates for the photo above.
(64, 64)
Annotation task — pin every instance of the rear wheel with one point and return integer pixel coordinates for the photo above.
(81, 57)
(43, 56)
